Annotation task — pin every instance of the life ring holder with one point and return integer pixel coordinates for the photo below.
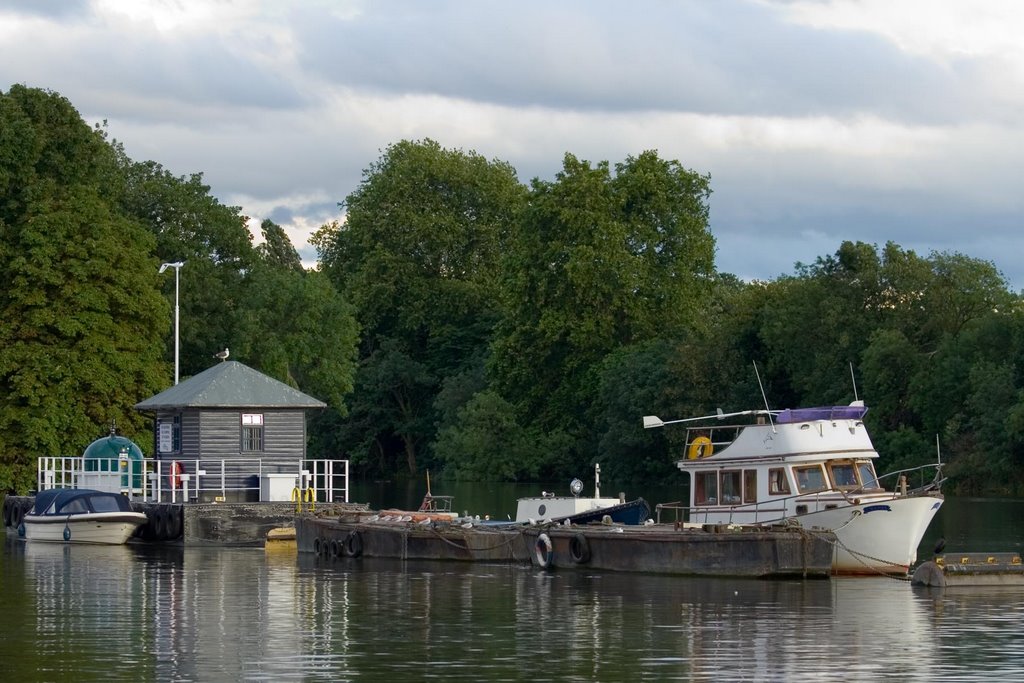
(579, 549)
(701, 447)
(543, 551)
(174, 472)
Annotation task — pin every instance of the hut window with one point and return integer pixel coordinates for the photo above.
(252, 432)
(169, 434)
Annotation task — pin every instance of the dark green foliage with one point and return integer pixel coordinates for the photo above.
(598, 262)
(487, 443)
(81, 338)
(213, 240)
(417, 256)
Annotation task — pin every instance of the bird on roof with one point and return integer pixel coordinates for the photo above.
(223, 355)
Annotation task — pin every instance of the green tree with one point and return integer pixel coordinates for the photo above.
(296, 326)
(599, 261)
(417, 256)
(80, 341)
(487, 443)
(213, 240)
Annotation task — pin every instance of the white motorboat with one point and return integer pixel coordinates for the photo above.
(549, 506)
(81, 516)
(812, 467)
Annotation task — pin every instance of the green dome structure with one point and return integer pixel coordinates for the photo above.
(115, 453)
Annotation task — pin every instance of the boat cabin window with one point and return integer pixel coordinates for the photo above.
(843, 475)
(732, 487)
(749, 486)
(810, 479)
(706, 489)
(76, 505)
(868, 479)
(778, 484)
(104, 504)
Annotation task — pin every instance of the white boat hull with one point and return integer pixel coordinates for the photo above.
(108, 528)
(878, 536)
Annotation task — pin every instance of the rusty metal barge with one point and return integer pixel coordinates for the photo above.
(711, 550)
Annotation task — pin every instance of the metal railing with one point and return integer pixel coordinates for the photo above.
(200, 479)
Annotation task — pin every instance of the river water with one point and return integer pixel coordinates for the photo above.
(138, 613)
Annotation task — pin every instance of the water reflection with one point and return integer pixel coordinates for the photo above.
(199, 614)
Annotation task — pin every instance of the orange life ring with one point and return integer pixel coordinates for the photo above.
(701, 447)
(174, 472)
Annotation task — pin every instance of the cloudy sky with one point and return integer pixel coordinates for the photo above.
(818, 120)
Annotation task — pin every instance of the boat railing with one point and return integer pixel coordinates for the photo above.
(720, 437)
(901, 479)
(310, 480)
(765, 512)
(778, 509)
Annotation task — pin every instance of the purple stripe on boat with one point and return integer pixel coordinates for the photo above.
(791, 415)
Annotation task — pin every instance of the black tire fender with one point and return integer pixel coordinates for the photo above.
(579, 549)
(353, 544)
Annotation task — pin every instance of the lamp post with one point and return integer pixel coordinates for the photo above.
(177, 271)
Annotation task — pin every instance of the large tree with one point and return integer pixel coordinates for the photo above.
(601, 260)
(80, 341)
(295, 326)
(417, 255)
(191, 225)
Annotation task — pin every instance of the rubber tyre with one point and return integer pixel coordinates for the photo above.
(353, 544)
(543, 551)
(17, 513)
(173, 522)
(579, 549)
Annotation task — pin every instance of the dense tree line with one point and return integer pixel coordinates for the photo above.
(465, 322)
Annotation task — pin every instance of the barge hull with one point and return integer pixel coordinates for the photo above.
(659, 549)
(327, 537)
(662, 549)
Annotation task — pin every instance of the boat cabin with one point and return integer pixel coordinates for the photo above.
(779, 465)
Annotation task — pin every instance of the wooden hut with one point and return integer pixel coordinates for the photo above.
(230, 433)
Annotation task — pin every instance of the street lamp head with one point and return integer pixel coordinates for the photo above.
(176, 264)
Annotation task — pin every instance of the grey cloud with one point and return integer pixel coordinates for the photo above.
(53, 9)
(731, 57)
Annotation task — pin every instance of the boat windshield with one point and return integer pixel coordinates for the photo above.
(104, 504)
(844, 476)
(810, 479)
(868, 479)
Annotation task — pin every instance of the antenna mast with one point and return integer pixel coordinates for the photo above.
(766, 407)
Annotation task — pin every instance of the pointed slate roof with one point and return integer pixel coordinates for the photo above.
(230, 385)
